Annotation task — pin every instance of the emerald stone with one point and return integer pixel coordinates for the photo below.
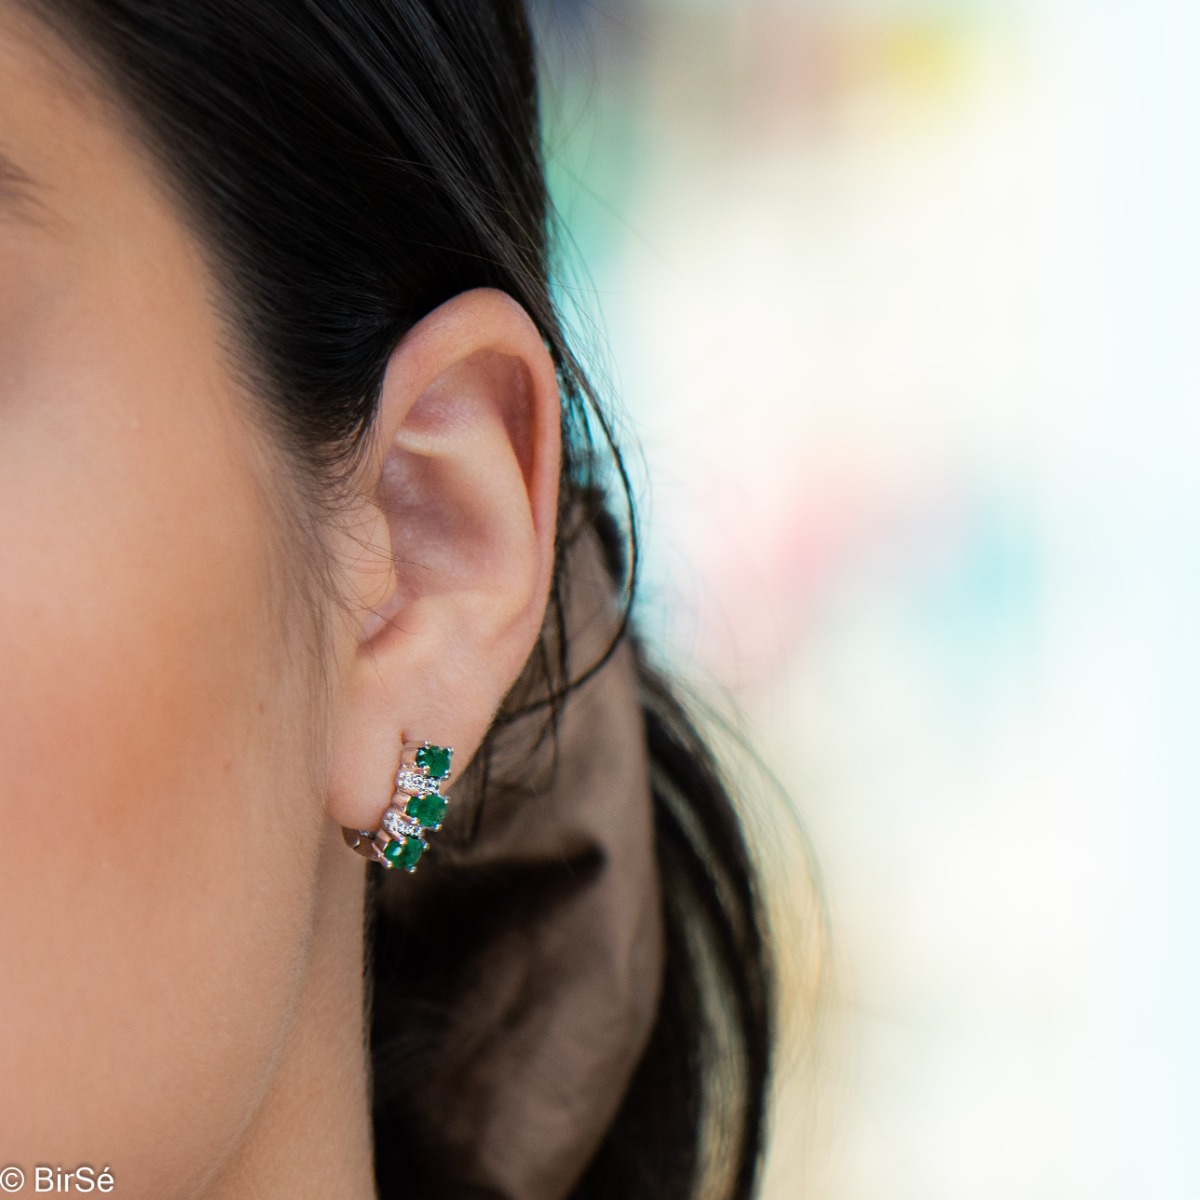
(435, 759)
(405, 853)
(427, 810)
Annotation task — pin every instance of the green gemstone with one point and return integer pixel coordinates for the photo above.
(435, 759)
(405, 853)
(427, 810)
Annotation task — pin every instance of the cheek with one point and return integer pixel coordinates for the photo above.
(155, 825)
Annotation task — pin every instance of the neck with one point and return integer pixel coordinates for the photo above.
(310, 1138)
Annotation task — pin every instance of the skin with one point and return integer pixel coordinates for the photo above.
(180, 920)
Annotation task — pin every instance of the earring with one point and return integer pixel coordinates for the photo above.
(417, 806)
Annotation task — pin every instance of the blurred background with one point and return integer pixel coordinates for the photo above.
(900, 301)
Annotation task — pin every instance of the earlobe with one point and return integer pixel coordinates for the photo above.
(459, 501)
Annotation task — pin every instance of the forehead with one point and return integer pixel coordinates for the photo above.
(95, 256)
(86, 219)
(67, 158)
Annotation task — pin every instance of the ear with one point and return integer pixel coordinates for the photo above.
(449, 557)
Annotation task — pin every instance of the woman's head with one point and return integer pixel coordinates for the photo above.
(279, 492)
(290, 431)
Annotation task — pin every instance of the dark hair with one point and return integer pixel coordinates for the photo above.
(351, 164)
